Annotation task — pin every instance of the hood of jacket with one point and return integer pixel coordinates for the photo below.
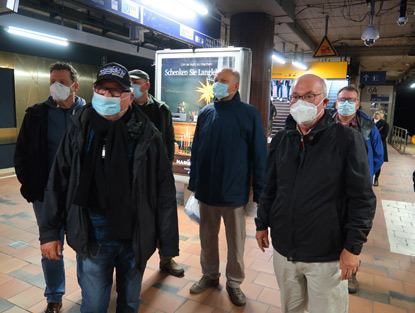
(79, 102)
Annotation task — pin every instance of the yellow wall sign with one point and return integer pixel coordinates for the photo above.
(325, 49)
(328, 70)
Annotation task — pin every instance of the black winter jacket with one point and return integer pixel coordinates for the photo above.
(153, 192)
(31, 160)
(318, 199)
(166, 124)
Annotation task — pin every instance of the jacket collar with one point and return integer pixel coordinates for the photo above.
(236, 99)
(365, 125)
(325, 122)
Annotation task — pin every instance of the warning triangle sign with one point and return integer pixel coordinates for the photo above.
(325, 49)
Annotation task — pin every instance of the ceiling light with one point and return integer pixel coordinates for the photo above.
(278, 57)
(195, 6)
(178, 8)
(413, 85)
(39, 36)
(299, 65)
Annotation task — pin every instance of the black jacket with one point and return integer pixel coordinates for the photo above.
(317, 200)
(166, 124)
(33, 153)
(153, 192)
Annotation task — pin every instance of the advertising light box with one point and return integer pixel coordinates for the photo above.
(184, 80)
(162, 16)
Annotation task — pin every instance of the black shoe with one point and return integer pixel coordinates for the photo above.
(53, 307)
(236, 295)
(353, 284)
(170, 266)
(376, 183)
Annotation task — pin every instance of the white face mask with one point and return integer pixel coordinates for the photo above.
(376, 120)
(60, 92)
(304, 112)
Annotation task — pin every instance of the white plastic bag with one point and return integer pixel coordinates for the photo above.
(192, 209)
(251, 208)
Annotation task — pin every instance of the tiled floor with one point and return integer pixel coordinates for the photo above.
(387, 279)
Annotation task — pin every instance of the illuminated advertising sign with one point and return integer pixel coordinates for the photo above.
(184, 80)
(166, 17)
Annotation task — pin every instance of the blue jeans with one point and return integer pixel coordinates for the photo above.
(53, 271)
(95, 275)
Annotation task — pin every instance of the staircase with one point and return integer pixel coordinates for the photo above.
(283, 110)
(283, 106)
(333, 87)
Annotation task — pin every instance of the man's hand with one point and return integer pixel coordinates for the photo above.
(262, 239)
(52, 250)
(349, 264)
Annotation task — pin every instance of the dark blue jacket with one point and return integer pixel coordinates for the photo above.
(229, 152)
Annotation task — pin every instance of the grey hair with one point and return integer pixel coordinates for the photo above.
(237, 76)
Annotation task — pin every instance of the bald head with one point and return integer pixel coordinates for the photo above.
(312, 81)
(229, 77)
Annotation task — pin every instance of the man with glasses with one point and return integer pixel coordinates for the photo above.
(348, 113)
(112, 182)
(317, 200)
(42, 130)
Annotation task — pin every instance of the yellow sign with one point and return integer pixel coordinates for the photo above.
(325, 49)
(328, 70)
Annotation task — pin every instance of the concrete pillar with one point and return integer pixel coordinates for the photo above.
(256, 31)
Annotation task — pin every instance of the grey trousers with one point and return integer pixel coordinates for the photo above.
(310, 287)
(235, 228)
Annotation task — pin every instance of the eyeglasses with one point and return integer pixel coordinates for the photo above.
(115, 92)
(308, 97)
(353, 100)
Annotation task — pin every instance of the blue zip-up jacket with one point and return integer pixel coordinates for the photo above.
(229, 151)
(373, 141)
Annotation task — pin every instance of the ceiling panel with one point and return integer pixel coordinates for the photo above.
(347, 20)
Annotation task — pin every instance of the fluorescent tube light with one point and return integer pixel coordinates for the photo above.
(39, 36)
(278, 59)
(195, 6)
(299, 65)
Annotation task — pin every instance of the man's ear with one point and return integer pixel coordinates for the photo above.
(326, 102)
(75, 87)
(335, 105)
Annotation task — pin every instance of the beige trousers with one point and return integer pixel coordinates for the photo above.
(310, 287)
(235, 228)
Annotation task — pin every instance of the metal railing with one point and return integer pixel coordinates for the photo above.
(399, 139)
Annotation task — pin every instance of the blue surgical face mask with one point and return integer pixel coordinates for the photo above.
(106, 105)
(346, 108)
(137, 91)
(220, 90)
